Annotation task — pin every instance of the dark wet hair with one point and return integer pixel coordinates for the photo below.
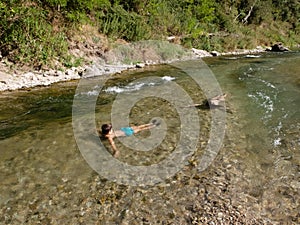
(106, 128)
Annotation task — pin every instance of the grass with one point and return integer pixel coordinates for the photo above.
(152, 50)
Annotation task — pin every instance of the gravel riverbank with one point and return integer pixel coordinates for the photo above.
(109, 63)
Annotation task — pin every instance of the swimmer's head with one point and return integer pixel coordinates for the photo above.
(106, 128)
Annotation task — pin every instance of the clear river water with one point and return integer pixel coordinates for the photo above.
(256, 173)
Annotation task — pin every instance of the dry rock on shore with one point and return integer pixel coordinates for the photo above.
(16, 81)
(278, 47)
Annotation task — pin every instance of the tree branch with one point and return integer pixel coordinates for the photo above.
(245, 20)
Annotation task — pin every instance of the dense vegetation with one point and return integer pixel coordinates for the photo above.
(36, 32)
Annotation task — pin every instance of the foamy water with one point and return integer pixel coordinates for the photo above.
(137, 86)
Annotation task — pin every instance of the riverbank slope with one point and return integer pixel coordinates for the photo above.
(124, 57)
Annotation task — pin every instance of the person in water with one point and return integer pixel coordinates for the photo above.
(108, 132)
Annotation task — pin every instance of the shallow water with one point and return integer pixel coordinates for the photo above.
(266, 96)
(42, 169)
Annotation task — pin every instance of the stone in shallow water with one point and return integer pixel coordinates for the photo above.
(295, 184)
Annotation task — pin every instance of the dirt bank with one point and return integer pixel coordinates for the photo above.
(125, 56)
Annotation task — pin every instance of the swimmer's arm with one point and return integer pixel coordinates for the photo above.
(113, 145)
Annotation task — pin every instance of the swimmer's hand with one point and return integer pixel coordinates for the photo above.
(116, 154)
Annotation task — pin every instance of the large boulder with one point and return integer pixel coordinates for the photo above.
(278, 47)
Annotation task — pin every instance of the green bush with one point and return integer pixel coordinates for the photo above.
(36, 32)
(27, 36)
(119, 23)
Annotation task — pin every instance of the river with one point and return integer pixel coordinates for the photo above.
(49, 171)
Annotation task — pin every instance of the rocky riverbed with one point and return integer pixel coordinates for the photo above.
(78, 195)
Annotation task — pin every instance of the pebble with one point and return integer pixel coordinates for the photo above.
(220, 215)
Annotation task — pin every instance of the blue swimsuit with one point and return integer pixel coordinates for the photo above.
(127, 130)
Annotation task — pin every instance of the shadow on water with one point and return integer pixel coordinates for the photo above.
(25, 109)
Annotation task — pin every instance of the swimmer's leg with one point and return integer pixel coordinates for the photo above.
(147, 126)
